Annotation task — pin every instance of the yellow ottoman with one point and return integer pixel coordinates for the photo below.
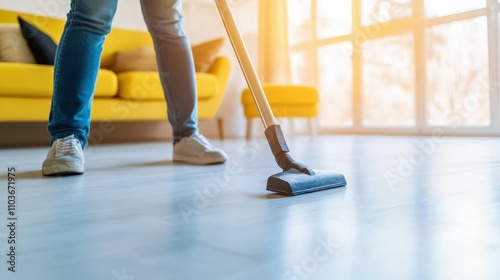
(286, 101)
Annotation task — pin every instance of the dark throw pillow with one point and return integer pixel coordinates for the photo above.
(41, 45)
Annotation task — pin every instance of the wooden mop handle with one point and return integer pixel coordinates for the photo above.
(246, 65)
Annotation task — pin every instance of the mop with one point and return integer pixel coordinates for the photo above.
(296, 178)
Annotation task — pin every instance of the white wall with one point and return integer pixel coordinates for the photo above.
(202, 23)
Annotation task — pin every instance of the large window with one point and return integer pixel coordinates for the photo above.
(399, 65)
(388, 81)
(457, 66)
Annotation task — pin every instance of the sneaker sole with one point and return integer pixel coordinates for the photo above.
(197, 160)
(62, 171)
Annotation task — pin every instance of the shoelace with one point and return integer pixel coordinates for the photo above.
(200, 139)
(65, 147)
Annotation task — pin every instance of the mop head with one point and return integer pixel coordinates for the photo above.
(292, 182)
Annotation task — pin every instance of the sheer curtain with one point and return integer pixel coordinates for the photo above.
(274, 51)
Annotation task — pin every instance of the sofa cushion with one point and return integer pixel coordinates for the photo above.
(40, 44)
(204, 54)
(13, 47)
(144, 58)
(141, 59)
(33, 80)
(146, 85)
(284, 94)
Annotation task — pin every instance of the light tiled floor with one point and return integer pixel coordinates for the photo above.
(414, 208)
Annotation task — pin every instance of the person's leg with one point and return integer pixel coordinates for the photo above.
(175, 64)
(164, 19)
(77, 63)
(75, 73)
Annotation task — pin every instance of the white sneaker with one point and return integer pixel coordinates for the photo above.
(196, 149)
(65, 157)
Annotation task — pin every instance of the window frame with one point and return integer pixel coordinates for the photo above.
(416, 24)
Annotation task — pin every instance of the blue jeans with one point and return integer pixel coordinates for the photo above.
(78, 58)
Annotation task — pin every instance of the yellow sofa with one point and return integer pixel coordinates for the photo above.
(26, 89)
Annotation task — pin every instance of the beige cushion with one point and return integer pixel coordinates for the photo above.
(144, 59)
(13, 46)
(205, 54)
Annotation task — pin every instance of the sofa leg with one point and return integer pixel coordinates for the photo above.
(249, 128)
(220, 128)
